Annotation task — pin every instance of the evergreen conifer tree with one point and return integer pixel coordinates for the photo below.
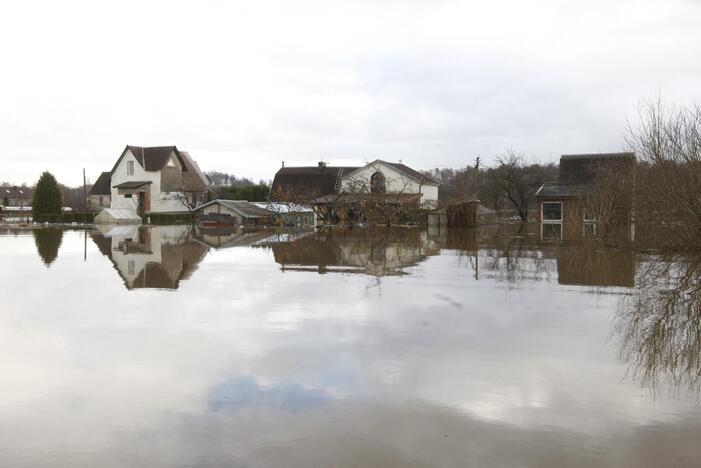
(46, 202)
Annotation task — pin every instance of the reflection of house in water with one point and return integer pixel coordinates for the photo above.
(151, 256)
(221, 237)
(376, 253)
(591, 267)
(505, 255)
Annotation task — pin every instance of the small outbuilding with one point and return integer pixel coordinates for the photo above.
(117, 216)
(233, 213)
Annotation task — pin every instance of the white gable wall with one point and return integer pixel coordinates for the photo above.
(395, 182)
(160, 202)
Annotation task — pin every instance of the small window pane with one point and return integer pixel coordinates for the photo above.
(552, 231)
(552, 211)
(130, 167)
(590, 230)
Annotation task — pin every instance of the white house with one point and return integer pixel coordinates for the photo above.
(393, 178)
(305, 184)
(158, 179)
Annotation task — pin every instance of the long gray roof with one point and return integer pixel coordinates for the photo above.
(244, 208)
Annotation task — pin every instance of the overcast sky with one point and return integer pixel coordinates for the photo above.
(245, 85)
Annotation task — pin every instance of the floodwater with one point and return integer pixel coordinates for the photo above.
(166, 347)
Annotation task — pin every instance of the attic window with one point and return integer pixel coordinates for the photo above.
(130, 167)
(377, 183)
(171, 163)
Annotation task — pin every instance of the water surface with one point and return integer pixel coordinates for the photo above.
(168, 347)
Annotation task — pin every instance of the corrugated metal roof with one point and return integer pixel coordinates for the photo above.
(121, 213)
(243, 208)
(555, 190)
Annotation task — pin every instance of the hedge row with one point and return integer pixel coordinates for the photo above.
(85, 218)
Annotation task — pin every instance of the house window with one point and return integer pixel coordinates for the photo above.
(378, 183)
(130, 167)
(551, 221)
(551, 231)
(552, 211)
(131, 267)
(590, 224)
(590, 231)
(127, 195)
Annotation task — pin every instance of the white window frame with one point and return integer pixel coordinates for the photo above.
(130, 168)
(544, 221)
(589, 222)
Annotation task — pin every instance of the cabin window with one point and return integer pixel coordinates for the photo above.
(552, 211)
(130, 167)
(589, 216)
(551, 221)
(590, 222)
(378, 183)
(552, 231)
(590, 231)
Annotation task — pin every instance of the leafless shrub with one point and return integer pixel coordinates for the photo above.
(667, 140)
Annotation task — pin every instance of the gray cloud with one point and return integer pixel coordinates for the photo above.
(243, 87)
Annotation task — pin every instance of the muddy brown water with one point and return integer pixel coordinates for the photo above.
(169, 347)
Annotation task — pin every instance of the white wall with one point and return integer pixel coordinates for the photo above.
(159, 236)
(395, 182)
(160, 202)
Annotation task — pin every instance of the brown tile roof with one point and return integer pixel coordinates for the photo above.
(310, 182)
(102, 185)
(155, 158)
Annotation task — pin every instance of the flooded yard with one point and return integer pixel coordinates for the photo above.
(173, 347)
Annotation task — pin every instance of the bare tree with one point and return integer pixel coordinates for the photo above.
(607, 202)
(381, 199)
(517, 181)
(667, 140)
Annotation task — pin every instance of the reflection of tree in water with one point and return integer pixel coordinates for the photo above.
(660, 324)
(48, 242)
(512, 257)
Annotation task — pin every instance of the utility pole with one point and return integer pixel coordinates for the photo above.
(85, 194)
(477, 178)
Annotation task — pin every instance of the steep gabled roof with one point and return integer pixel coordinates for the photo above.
(310, 181)
(155, 158)
(102, 185)
(404, 169)
(421, 177)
